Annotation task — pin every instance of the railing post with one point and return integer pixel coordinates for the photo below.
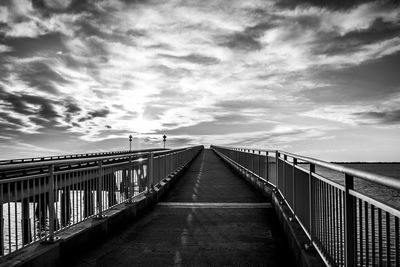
(350, 223)
(131, 180)
(266, 166)
(294, 185)
(311, 200)
(277, 168)
(51, 204)
(150, 166)
(283, 190)
(26, 221)
(253, 155)
(259, 163)
(99, 191)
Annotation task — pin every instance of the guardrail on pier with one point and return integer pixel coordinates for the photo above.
(345, 225)
(75, 156)
(53, 195)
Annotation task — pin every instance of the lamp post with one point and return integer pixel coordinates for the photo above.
(130, 143)
(164, 139)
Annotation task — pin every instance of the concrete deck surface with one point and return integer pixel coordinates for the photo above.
(211, 217)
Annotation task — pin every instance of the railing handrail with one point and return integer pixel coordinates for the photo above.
(367, 176)
(80, 160)
(246, 148)
(73, 156)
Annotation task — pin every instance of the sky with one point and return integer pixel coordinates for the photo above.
(316, 78)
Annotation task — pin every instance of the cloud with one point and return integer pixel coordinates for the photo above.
(11, 120)
(342, 5)
(71, 110)
(239, 41)
(382, 117)
(29, 104)
(171, 72)
(100, 113)
(23, 47)
(25, 29)
(58, 4)
(194, 58)
(369, 81)
(5, 48)
(25, 113)
(333, 43)
(39, 75)
(243, 104)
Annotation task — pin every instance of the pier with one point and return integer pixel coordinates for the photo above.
(193, 207)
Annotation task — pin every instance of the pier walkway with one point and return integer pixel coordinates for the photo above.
(211, 217)
(192, 206)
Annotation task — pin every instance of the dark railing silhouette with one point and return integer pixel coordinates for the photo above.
(40, 198)
(345, 225)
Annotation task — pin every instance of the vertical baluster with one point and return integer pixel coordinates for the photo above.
(321, 213)
(56, 183)
(338, 220)
(387, 239)
(26, 221)
(311, 200)
(80, 201)
(328, 220)
(284, 177)
(34, 203)
(150, 166)
(277, 169)
(9, 217)
(259, 163)
(396, 241)
(294, 185)
(73, 189)
(317, 212)
(380, 243)
(325, 216)
(131, 180)
(373, 234)
(51, 203)
(334, 225)
(360, 236)
(349, 222)
(342, 209)
(100, 189)
(366, 222)
(16, 213)
(266, 166)
(329, 217)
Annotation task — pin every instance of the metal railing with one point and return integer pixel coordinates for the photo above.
(75, 156)
(35, 207)
(345, 225)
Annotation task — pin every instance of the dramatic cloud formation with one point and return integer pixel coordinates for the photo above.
(312, 77)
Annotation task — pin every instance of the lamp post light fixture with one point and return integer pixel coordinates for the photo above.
(164, 139)
(130, 143)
